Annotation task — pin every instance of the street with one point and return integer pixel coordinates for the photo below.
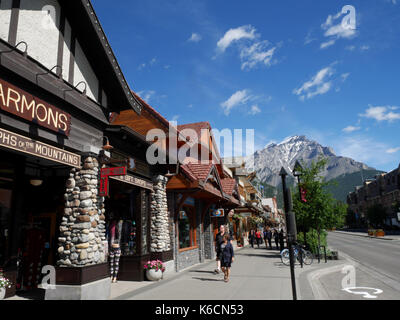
(371, 265)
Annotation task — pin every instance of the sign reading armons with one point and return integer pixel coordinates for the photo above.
(28, 107)
(24, 144)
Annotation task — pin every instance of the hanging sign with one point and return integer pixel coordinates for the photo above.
(216, 213)
(134, 181)
(24, 105)
(104, 174)
(23, 144)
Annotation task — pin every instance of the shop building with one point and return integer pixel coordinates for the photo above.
(59, 81)
(200, 197)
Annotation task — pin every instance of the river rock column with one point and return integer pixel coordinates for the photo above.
(82, 229)
(160, 237)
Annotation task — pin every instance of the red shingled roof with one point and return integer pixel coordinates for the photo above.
(150, 109)
(198, 170)
(228, 185)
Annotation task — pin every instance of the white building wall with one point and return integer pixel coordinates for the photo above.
(5, 16)
(38, 26)
(84, 72)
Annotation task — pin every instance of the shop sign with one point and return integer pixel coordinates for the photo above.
(189, 201)
(26, 145)
(216, 213)
(105, 173)
(134, 181)
(24, 105)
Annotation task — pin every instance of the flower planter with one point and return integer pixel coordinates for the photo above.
(380, 233)
(2, 293)
(154, 275)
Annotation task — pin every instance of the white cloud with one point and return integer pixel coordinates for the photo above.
(350, 48)
(146, 95)
(382, 113)
(345, 76)
(195, 37)
(254, 110)
(256, 53)
(232, 35)
(318, 85)
(239, 97)
(364, 48)
(327, 44)
(350, 129)
(393, 150)
(363, 148)
(336, 31)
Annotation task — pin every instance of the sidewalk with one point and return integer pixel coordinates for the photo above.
(257, 274)
(364, 234)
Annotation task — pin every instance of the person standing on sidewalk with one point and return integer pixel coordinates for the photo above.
(227, 256)
(276, 238)
(265, 236)
(281, 240)
(269, 238)
(258, 238)
(218, 241)
(252, 238)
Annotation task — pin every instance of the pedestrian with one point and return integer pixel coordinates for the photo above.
(218, 242)
(269, 238)
(276, 238)
(281, 240)
(227, 256)
(251, 238)
(258, 238)
(265, 236)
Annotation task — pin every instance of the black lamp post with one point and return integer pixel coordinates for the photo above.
(297, 172)
(287, 198)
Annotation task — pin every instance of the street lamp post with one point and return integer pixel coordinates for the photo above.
(289, 228)
(297, 173)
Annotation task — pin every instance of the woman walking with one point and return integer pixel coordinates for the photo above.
(227, 257)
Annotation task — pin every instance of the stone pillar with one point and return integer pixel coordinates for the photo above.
(160, 236)
(82, 229)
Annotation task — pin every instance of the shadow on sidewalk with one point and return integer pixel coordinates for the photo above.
(207, 279)
(275, 256)
(203, 271)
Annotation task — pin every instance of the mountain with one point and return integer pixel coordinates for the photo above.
(269, 161)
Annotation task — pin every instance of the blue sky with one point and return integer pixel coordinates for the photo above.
(281, 68)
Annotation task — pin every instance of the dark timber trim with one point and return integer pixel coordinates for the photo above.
(60, 51)
(12, 35)
(72, 57)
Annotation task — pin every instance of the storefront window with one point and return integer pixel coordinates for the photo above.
(187, 228)
(123, 213)
(5, 208)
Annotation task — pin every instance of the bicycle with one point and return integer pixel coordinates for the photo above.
(305, 255)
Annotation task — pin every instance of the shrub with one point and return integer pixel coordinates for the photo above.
(312, 240)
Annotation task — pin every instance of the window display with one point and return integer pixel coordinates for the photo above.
(121, 226)
(186, 228)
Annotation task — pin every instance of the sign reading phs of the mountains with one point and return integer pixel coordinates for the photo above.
(28, 107)
(27, 145)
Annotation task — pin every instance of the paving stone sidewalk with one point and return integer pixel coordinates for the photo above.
(257, 274)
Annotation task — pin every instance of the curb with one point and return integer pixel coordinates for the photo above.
(366, 236)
